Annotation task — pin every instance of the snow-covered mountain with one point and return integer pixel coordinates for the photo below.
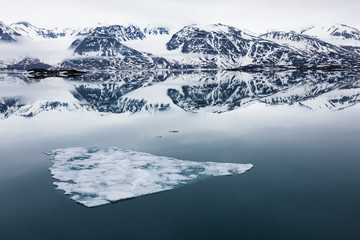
(229, 47)
(95, 52)
(318, 51)
(338, 34)
(214, 46)
(211, 39)
(303, 43)
(94, 46)
(28, 30)
(126, 33)
(103, 48)
(7, 34)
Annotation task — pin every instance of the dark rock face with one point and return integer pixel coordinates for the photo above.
(355, 50)
(118, 32)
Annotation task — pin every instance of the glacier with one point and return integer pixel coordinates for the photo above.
(97, 176)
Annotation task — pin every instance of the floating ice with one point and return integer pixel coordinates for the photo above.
(96, 176)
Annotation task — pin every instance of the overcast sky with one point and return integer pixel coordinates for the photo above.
(254, 15)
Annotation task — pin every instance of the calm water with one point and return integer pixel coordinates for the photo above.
(303, 143)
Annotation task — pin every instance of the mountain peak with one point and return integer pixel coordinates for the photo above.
(26, 24)
(338, 34)
(7, 34)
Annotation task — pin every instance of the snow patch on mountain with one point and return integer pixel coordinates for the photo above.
(7, 34)
(302, 42)
(338, 34)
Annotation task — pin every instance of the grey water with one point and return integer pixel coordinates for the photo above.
(300, 131)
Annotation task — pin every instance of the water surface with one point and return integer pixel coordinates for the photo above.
(299, 130)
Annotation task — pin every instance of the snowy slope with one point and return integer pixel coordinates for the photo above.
(302, 42)
(228, 47)
(108, 53)
(28, 30)
(103, 48)
(127, 33)
(7, 34)
(214, 46)
(338, 34)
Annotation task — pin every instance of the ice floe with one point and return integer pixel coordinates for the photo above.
(97, 176)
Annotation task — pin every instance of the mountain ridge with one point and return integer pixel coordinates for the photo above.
(212, 46)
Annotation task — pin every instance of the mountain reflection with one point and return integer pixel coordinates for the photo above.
(193, 91)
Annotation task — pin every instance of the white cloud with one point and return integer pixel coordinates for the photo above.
(50, 51)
